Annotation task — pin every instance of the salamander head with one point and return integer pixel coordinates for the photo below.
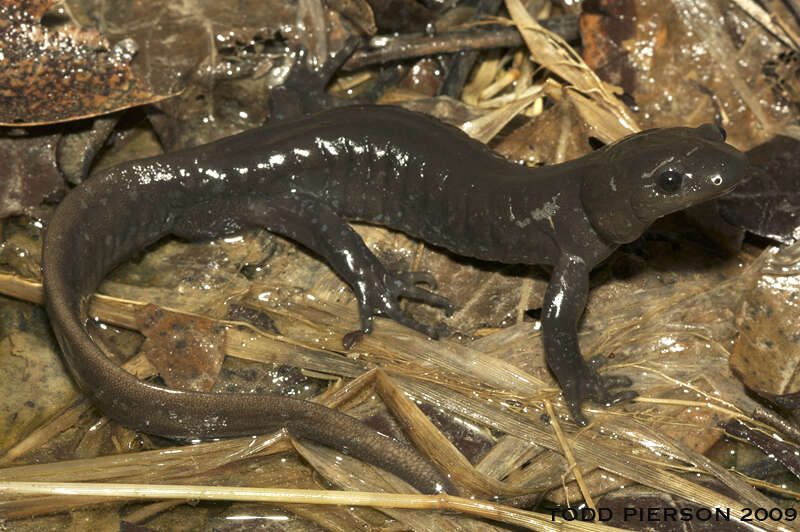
(657, 172)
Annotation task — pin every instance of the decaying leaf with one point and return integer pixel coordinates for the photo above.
(767, 352)
(557, 131)
(187, 351)
(768, 202)
(685, 61)
(401, 15)
(29, 171)
(221, 57)
(604, 32)
(553, 53)
(57, 75)
(358, 12)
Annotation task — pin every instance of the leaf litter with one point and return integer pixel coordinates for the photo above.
(670, 324)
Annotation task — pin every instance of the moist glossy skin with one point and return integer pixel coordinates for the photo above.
(387, 166)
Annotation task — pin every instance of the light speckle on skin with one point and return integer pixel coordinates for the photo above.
(660, 166)
(152, 172)
(521, 223)
(213, 174)
(547, 210)
(324, 144)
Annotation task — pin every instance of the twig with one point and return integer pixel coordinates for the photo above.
(387, 48)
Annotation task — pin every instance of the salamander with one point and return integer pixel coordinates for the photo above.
(382, 165)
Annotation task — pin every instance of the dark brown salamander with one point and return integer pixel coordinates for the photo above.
(382, 165)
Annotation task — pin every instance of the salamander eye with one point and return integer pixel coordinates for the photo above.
(669, 181)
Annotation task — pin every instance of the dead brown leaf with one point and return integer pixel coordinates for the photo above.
(51, 76)
(222, 57)
(30, 174)
(684, 61)
(188, 351)
(767, 352)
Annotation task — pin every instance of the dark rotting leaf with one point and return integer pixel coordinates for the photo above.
(767, 203)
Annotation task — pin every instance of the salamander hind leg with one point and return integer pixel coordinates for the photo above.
(611, 381)
(381, 293)
(312, 223)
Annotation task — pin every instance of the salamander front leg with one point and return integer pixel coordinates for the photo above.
(564, 303)
(303, 90)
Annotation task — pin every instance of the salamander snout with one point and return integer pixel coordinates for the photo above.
(721, 168)
(681, 167)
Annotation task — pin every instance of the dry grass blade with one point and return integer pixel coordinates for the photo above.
(258, 345)
(194, 463)
(162, 464)
(505, 514)
(760, 15)
(565, 449)
(350, 474)
(487, 126)
(434, 444)
(554, 54)
(23, 289)
(587, 451)
(702, 18)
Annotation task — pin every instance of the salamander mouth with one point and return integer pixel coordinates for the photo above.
(636, 215)
(729, 188)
